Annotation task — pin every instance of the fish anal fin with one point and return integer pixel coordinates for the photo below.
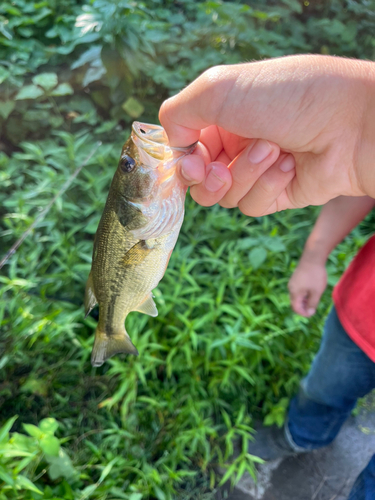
(148, 307)
(106, 346)
(90, 299)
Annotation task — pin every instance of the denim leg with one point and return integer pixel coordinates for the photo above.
(340, 374)
(364, 487)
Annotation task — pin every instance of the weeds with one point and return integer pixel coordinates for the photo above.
(226, 348)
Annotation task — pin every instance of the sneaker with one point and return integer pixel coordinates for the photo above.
(271, 443)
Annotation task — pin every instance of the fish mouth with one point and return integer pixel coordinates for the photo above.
(153, 140)
(150, 134)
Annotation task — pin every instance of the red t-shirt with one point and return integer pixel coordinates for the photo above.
(354, 298)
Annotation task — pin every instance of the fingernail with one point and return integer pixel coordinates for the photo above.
(287, 164)
(185, 169)
(213, 182)
(310, 311)
(259, 152)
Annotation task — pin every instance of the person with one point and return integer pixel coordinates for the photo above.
(288, 133)
(344, 368)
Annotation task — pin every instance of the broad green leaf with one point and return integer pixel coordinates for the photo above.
(106, 127)
(4, 74)
(3, 361)
(275, 244)
(6, 107)
(50, 445)
(48, 425)
(135, 496)
(241, 470)
(29, 92)
(269, 420)
(35, 386)
(46, 80)
(4, 430)
(24, 463)
(245, 243)
(160, 495)
(94, 73)
(280, 418)
(92, 54)
(133, 107)
(62, 89)
(60, 466)
(107, 469)
(295, 5)
(86, 492)
(22, 482)
(5, 32)
(242, 371)
(231, 470)
(257, 256)
(8, 452)
(6, 477)
(33, 430)
(56, 121)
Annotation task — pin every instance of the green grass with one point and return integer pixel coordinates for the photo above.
(225, 348)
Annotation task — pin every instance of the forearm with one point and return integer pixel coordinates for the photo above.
(337, 218)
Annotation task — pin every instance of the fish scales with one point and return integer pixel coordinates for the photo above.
(135, 237)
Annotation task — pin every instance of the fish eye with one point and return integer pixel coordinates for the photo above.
(127, 164)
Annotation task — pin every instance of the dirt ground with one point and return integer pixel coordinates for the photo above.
(326, 474)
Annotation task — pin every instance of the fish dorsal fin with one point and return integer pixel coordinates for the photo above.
(148, 307)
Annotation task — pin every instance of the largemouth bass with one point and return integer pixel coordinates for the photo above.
(135, 237)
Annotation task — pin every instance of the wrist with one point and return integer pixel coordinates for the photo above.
(315, 252)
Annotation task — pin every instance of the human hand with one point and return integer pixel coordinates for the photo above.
(277, 134)
(307, 285)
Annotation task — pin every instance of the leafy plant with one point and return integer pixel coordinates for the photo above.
(22, 456)
(226, 348)
(129, 56)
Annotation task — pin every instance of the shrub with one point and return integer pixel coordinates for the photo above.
(225, 348)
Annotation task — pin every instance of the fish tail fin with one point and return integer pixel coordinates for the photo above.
(106, 346)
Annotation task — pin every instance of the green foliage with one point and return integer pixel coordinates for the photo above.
(129, 56)
(226, 348)
(22, 456)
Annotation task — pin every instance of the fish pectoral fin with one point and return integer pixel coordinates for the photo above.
(106, 346)
(90, 299)
(148, 307)
(137, 254)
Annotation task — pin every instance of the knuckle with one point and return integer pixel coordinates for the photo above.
(227, 203)
(201, 198)
(212, 75)
(267, 185)
(250, 212)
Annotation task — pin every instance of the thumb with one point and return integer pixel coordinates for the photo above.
(178, 135)
(199, 105)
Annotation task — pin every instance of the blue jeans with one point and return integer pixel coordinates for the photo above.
(340, 374)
